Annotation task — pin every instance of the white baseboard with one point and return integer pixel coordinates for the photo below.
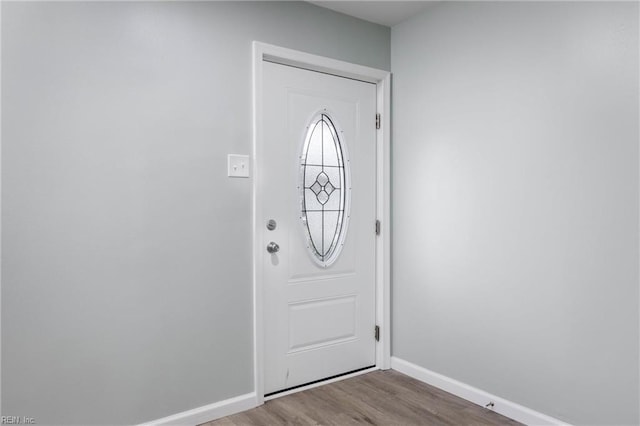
(477, 396)
(209, 412)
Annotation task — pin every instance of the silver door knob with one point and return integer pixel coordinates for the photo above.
(273, 247)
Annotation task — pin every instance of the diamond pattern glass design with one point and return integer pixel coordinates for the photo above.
(324, 190)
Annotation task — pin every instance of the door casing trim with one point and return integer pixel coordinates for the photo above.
(382, 79)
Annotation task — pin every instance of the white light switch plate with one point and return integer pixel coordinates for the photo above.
(238, 165)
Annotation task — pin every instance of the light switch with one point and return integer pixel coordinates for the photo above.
(238, 165)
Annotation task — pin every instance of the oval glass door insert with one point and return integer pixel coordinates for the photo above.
(325, 190)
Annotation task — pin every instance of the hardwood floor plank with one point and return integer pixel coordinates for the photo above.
(397, 409)
(444, 406)
(377, 398)
(225, 421)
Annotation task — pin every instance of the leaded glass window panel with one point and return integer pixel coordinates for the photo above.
(324, 189)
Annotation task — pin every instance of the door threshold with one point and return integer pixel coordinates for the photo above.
(321, 382)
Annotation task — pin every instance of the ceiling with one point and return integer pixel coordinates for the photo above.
(388, 13)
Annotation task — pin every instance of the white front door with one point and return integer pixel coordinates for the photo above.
(317, 184)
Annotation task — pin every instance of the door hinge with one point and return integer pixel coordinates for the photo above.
(377, 227)
(378, 121)
(377, 333)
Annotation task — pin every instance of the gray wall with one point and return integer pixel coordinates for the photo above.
(515, 202)
(126, 269)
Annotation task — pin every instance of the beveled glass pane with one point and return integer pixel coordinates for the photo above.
(330, 153)
(331, 224)
(314, 222)
(334, 175)
(314, 149)
(311, 203)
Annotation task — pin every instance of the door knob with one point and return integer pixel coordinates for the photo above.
(273, 247)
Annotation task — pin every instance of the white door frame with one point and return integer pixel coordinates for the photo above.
(382, 80)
